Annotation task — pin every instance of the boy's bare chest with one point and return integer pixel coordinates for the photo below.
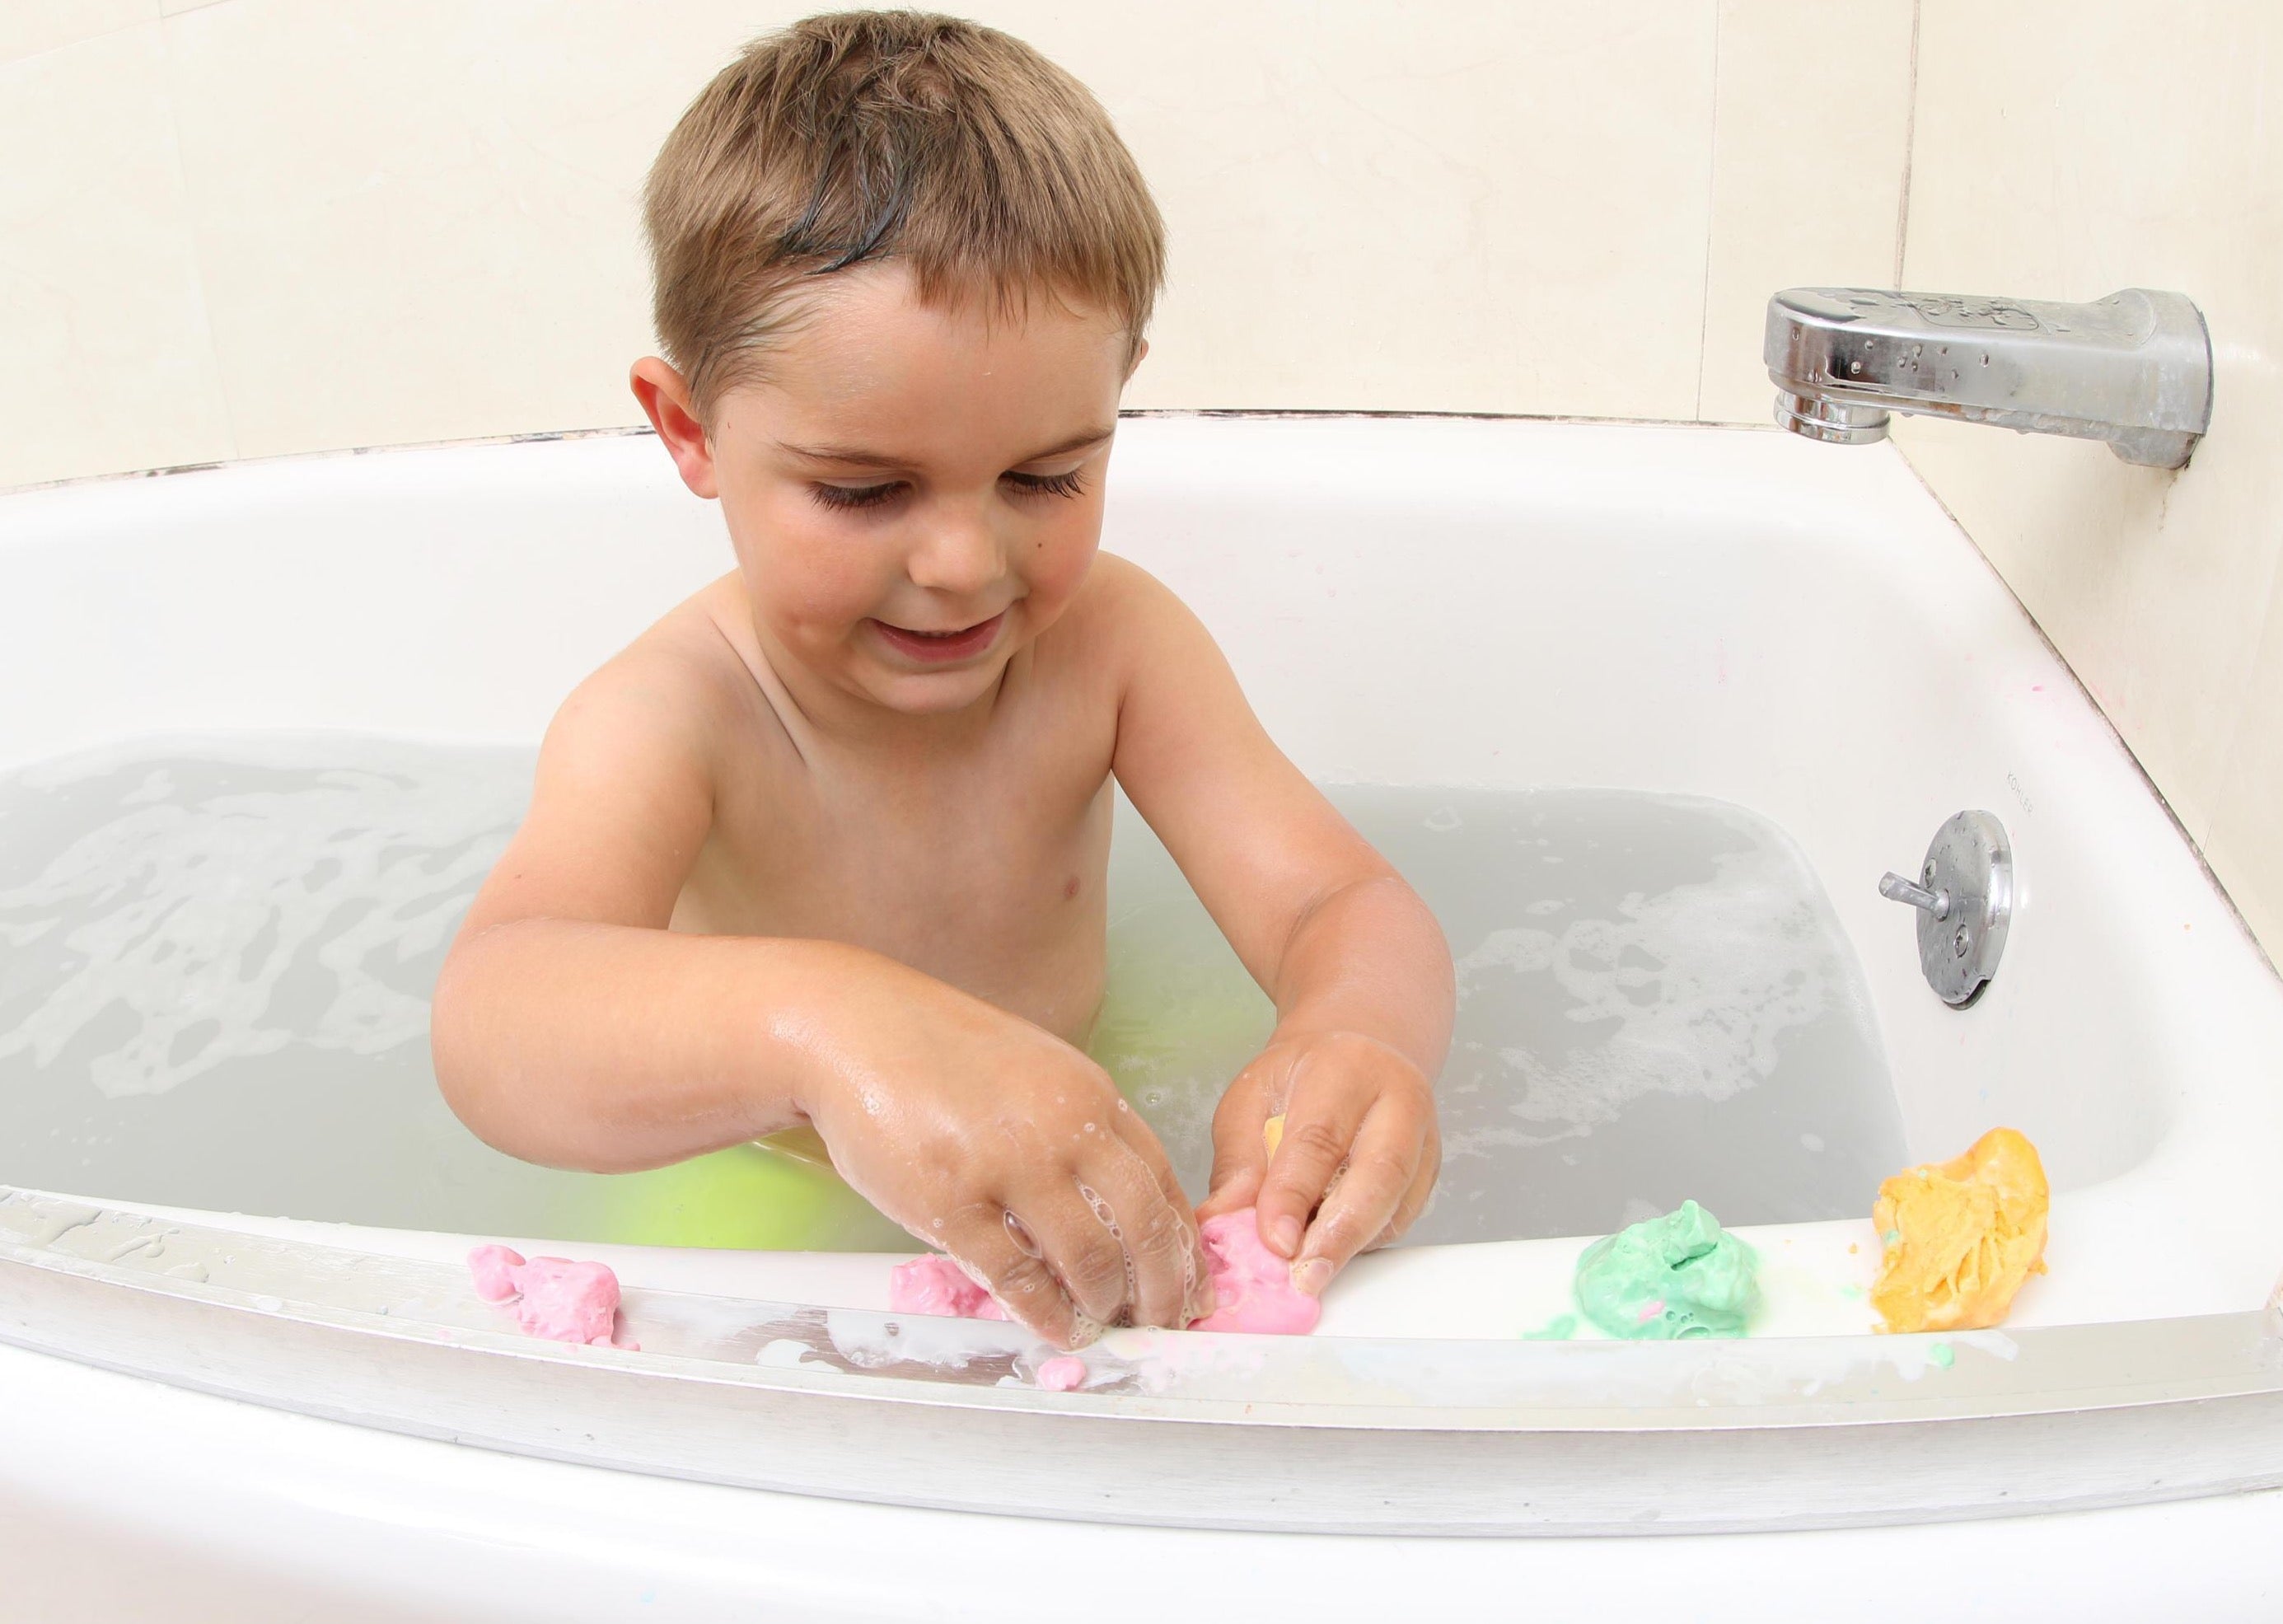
(985, 868)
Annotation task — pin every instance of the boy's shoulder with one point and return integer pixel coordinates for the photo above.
(673, 691)
(1123, 612)
(1129, 630)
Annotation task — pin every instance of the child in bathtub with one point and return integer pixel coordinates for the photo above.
(827, 844)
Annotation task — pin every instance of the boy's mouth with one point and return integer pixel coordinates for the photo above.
(941, 648)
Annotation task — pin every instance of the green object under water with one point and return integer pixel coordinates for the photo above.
(1670, 1278)
(756, 1197)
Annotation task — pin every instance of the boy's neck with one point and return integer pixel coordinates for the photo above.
(818, 712)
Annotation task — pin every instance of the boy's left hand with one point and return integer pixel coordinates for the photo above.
(1358, 1159)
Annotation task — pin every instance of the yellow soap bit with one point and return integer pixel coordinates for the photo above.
(1959, 1237)
(1271, 1132)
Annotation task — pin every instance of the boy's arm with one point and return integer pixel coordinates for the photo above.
(527, 1055)
(1356, 965)
(573, 1029)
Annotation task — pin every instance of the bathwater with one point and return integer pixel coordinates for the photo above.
(215, 958)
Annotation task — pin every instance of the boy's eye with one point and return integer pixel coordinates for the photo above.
(1047, 484)
(846, 496)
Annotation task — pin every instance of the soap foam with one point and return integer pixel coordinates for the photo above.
(228, 923)
(1696, 985)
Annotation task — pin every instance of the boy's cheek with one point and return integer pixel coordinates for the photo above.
(801, 580)
(1059, 568)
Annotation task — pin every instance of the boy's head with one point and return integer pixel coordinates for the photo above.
(913, 240)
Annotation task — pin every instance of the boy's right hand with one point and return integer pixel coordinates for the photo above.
(995, 1140)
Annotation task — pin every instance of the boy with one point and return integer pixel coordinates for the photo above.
(827, 844)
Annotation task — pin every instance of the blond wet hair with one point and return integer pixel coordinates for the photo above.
(856, 137)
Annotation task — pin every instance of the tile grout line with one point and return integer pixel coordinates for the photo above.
(2229, 787)
(191, 228)
(1910, 144)
(1711, 199)
(81, 39)
(2273, 959)
(606, 430)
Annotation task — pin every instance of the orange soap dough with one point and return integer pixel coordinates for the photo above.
(1961, 1236)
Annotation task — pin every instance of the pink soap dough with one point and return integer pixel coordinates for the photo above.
(1060, 1375)
(935, 1285)
(1252, 1286)
(555, 1298)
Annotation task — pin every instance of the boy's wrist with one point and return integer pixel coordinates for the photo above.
(1303, 1029)
(801, 1065)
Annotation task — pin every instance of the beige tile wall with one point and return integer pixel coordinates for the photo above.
(104, 347)
(245, 227)
(238, 227)
(2065, 150)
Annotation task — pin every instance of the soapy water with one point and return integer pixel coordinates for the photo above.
(215, 958)
(1656, 1002)
(192, 908)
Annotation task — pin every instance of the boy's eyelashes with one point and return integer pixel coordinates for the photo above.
(1067, 484)
(844, 497)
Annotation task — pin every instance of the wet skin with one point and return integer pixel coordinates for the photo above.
(827, 844)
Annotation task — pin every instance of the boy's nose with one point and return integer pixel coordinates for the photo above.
(957, 553)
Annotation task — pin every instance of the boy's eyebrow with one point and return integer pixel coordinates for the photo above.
(877, 459)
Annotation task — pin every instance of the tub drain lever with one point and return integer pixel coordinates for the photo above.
(1895, 888)
(1964, 896)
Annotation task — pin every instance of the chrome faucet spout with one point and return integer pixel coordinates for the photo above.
(2133, 369)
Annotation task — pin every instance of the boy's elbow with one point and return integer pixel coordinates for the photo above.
(475, 1078)
(462, 1078)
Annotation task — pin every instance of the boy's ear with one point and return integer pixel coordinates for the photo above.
(1140, 350)
(665, 400)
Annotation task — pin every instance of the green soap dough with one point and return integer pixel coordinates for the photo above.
(1670, 1277)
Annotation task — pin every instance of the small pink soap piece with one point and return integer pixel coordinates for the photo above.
(1062, 1374)
(935, 1285)
(555, 1298)
(1252, 1286)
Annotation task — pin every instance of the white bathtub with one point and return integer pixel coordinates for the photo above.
(1730, 615)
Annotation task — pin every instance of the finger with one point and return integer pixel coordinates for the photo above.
(1319, 1126)
(1073, 1242)
(1241, 1152)
(1025, 1286)
(1414, 1203)
(1124, 1190)
(1382, 1165)
(1137, 1135)
(1414, 1200)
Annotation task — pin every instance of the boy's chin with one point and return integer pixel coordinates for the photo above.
(928, 693)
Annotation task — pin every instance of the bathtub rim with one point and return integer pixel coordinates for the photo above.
(2154, 1460)
(1688, 1438)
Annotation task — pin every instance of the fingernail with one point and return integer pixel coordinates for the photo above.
(1284, 1237)
(1311, 1277)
